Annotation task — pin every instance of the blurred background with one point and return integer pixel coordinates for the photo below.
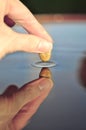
(56, 6)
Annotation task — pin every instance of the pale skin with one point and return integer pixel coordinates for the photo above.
(38, 41)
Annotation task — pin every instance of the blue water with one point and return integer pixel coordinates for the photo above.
(65, 107)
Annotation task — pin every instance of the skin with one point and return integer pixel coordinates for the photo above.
(37, 41)
(17, 106)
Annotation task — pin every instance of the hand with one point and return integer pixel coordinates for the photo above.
(37, 41)
(18, 105)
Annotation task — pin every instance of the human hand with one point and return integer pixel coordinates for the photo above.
(37, 41)
(17, 106)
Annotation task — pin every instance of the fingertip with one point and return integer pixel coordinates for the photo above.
(45, 83)
(31, 43)
(44, 46)
(47, 36)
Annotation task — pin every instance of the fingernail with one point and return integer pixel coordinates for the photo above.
(45, 46)
(45, 83)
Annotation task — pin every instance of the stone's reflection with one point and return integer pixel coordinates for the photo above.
(18, 105)
(82, 72)
(45, 72)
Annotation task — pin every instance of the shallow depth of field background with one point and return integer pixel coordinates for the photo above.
(56, 6)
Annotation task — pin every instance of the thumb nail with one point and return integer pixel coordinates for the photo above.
(45, 83)
(45, 46)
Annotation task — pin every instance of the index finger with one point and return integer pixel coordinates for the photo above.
(22, 15)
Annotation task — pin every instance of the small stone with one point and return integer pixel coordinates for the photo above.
(45, 56)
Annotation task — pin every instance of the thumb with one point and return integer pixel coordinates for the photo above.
(30, 91)
(29, 43)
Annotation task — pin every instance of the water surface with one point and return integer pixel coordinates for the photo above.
(65, 106)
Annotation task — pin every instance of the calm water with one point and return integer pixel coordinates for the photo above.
(65, 106)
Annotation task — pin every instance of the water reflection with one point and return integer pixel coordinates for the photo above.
(82, 72)
(18, 105)
(45, 72)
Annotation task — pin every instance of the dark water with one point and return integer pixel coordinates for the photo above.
(65, 106)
